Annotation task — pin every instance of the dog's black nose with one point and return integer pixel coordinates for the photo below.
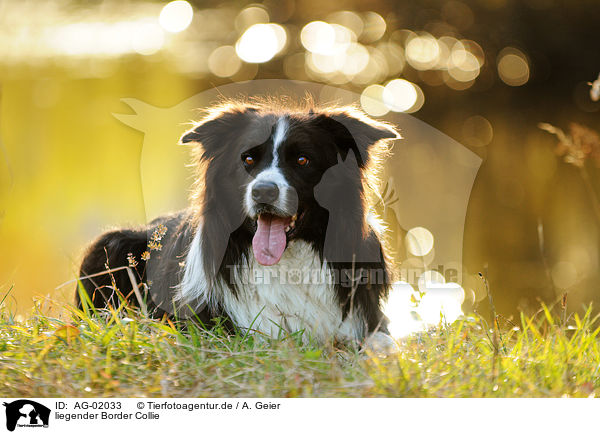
(265, 192)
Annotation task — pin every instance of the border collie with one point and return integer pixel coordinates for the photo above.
(279, 237)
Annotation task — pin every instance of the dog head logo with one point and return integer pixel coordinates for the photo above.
(26, 413)
(430, 174)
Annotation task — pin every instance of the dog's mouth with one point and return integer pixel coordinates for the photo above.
(271, 237)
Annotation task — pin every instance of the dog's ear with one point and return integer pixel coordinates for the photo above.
(218, 139)
(354, 130)
(222, 126)
(366, 131)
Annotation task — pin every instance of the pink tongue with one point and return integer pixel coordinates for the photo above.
(269, 240)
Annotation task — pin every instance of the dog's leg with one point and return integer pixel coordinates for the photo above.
(109, 252)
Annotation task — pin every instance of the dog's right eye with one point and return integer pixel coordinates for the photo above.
(248, 160)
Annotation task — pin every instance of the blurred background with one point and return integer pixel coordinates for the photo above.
(483, 72)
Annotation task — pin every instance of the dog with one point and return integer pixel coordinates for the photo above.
(279, 237)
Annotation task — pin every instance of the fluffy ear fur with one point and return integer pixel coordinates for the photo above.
(221, 127)
(356, 131)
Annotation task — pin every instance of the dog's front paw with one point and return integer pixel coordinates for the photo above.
(380, 344)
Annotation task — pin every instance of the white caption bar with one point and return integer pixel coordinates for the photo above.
(247, 415)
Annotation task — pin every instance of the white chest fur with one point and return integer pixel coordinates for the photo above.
(296, 294)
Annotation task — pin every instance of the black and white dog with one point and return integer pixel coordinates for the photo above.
(279, 236)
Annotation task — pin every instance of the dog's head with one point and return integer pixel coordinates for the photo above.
(259, 167)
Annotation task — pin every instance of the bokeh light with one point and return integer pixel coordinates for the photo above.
(318, 37)
(223, 61)
(394, 57)
(348, 19)
(371, 100)
(513, 67)
(374, 27)
(375, 70)
(337, 57)
(356, 59)
(477, 131)
(260, 43)
(419, 241)
(463, 65)
(280, 35)
(176, 16)
(250, 16)
(400, 95)
(422, 52)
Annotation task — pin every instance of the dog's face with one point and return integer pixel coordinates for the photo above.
(262, 168)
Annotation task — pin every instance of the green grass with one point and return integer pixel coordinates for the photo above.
(125, 354)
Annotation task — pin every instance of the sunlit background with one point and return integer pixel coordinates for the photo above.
(483, 72)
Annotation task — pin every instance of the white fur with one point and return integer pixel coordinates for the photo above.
(296, 294)
(281, 130)
(270, 300)
(194, 285)
(375, 222)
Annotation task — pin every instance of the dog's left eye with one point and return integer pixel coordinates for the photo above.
(302, 160)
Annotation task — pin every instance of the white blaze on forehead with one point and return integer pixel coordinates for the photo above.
(281, 129)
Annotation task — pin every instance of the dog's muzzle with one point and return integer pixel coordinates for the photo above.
(270, 193)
